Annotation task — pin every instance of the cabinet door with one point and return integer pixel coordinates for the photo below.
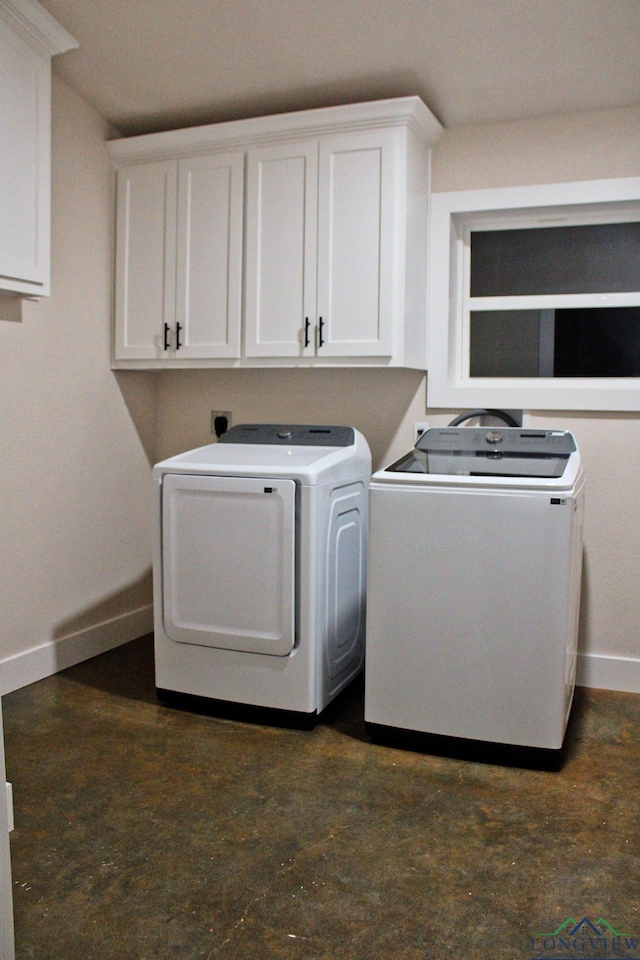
(145, 260)
(281, 250)
(209, 255)
(25, 85)
(357, 243)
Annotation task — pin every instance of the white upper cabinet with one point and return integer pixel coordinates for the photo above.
(179, 258)
(332, 264)
(209, 254)
(321, 247)
(145, 259)
(24, 163)
(29, 37)
(359, 244)
(282, 226)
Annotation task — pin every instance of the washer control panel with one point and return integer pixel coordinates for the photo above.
(508, 440)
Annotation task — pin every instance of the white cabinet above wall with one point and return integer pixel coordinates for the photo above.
(179, 258)
(322, 268)
(29, 37)
(330, 268)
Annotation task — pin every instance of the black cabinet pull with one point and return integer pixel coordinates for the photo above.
(178, 329)
(166, 336)
(320, 332)
(306, 331)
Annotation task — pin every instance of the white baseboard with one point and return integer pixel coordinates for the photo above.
(608, 673)
(48, 658)
(593, 670)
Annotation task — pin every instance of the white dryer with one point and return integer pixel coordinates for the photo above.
(475, 559)
(260, 550)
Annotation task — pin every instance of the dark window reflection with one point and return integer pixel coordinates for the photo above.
(592, 258)
(597, 343)
(584, 342)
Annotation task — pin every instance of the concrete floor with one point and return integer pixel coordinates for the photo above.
(145, 833)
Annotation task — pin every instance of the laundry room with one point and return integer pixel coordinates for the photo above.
(198, 835)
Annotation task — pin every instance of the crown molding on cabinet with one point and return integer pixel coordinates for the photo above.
(36, 26)
(408, 112)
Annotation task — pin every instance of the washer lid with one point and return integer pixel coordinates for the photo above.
(489, 452)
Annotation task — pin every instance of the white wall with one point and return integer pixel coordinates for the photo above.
(74, 473)
(384, 404)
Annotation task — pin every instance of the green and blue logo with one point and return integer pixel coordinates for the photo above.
(584, 940)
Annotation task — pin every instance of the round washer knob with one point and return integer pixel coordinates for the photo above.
(285, 434)
(494, 436)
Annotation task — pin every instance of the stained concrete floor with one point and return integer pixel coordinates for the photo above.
(145, 833)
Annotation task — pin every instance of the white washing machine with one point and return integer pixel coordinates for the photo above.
(475, 558)
(260, 550)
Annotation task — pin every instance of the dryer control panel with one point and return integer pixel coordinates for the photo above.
(293, 434)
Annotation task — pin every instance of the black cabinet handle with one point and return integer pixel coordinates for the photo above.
(178, 329)
(306, 331)
(166, 336)
(320, 332)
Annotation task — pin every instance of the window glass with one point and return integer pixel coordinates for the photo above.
(604, 342)
(584, 342)
(505, 343)
(594, 258)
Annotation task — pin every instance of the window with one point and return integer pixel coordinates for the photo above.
(534, 297)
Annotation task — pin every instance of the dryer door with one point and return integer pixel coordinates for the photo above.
(228, 562)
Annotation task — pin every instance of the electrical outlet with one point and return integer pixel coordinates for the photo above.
(220, 422)
(418, 430)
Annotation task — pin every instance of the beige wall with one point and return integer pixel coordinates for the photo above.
(74, 525)
(384, 404)
(574, 146)
(377, 402)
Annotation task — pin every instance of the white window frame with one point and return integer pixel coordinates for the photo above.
(453, 217)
